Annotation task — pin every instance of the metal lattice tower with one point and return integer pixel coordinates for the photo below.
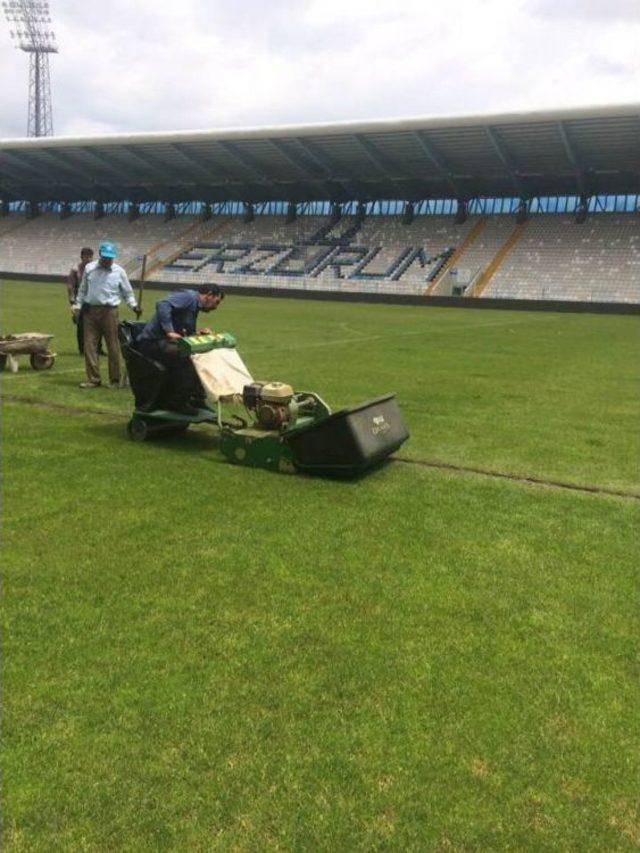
(34, 36)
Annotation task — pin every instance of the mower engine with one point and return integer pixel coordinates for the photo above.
(271, 403)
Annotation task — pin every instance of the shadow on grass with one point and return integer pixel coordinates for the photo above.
(193, 440)
(199, 440)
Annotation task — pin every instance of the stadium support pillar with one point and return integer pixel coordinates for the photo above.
(408, 213)
(4, 208)
(361, 212)
(98, 210)
(32, 210)
(169, 212)
(522, 213)
(249, 213)
(582, 210)
(65, 211)
(292, 212)
(205, 213)
(462, 212)
(133, 212)
(336, 212)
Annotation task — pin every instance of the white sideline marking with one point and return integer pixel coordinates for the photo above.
(356, 340)
(33, 374)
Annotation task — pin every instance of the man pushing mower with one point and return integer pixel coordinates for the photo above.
(282, 429)
(176, 316)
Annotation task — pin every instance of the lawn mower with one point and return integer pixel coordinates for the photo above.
(281, 429)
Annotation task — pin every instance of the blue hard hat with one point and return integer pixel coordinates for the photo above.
(107, 249)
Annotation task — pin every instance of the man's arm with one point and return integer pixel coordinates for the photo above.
(164, 309)
(72, 285)
(127, 291)
(82, 292)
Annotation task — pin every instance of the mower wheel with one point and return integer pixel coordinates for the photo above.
(137, 429)
(41, 360)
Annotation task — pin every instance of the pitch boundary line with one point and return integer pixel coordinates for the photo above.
(524, 479)
(362, 338)
(355, 339)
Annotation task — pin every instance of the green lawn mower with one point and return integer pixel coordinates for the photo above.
(279, 428)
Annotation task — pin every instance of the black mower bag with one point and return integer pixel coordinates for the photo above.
(350, 441)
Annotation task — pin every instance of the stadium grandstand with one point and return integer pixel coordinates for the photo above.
(531, 206)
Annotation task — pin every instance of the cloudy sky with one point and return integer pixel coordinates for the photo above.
(142, 65)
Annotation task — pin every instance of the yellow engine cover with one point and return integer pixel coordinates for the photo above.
(276, 392)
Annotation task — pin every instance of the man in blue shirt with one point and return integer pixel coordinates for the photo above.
(103, 287)
(176, 315)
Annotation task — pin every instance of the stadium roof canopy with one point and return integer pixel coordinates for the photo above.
(588, 151)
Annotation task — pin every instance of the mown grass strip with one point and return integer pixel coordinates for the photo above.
(201, 656)
(525, 479)
(551, 395)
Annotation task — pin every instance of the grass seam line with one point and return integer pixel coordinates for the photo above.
(404, 460)
(518, 478)
(62, 407)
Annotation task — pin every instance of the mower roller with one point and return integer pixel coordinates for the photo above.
(281, 429)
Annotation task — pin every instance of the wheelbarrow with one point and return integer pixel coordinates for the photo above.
(33, 344)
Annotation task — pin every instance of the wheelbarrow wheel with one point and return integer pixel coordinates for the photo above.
(41, 360)
(137, 429)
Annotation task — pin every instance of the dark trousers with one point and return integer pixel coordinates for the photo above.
(80, 330)
(101, 321)
(182, 380)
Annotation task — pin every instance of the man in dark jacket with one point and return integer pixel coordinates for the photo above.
(73, 283)
(176, 316)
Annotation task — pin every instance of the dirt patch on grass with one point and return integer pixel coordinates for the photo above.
(627, 821)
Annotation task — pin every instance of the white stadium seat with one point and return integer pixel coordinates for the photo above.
(555, 258)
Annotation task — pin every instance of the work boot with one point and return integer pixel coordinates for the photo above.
(90, 384)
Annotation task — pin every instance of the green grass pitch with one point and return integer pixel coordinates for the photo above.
(201, 656)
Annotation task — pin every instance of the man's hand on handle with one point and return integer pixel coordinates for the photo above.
(173, 336)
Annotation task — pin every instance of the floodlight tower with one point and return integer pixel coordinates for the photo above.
(34, 36)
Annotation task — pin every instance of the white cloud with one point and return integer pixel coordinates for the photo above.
(149, 66)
